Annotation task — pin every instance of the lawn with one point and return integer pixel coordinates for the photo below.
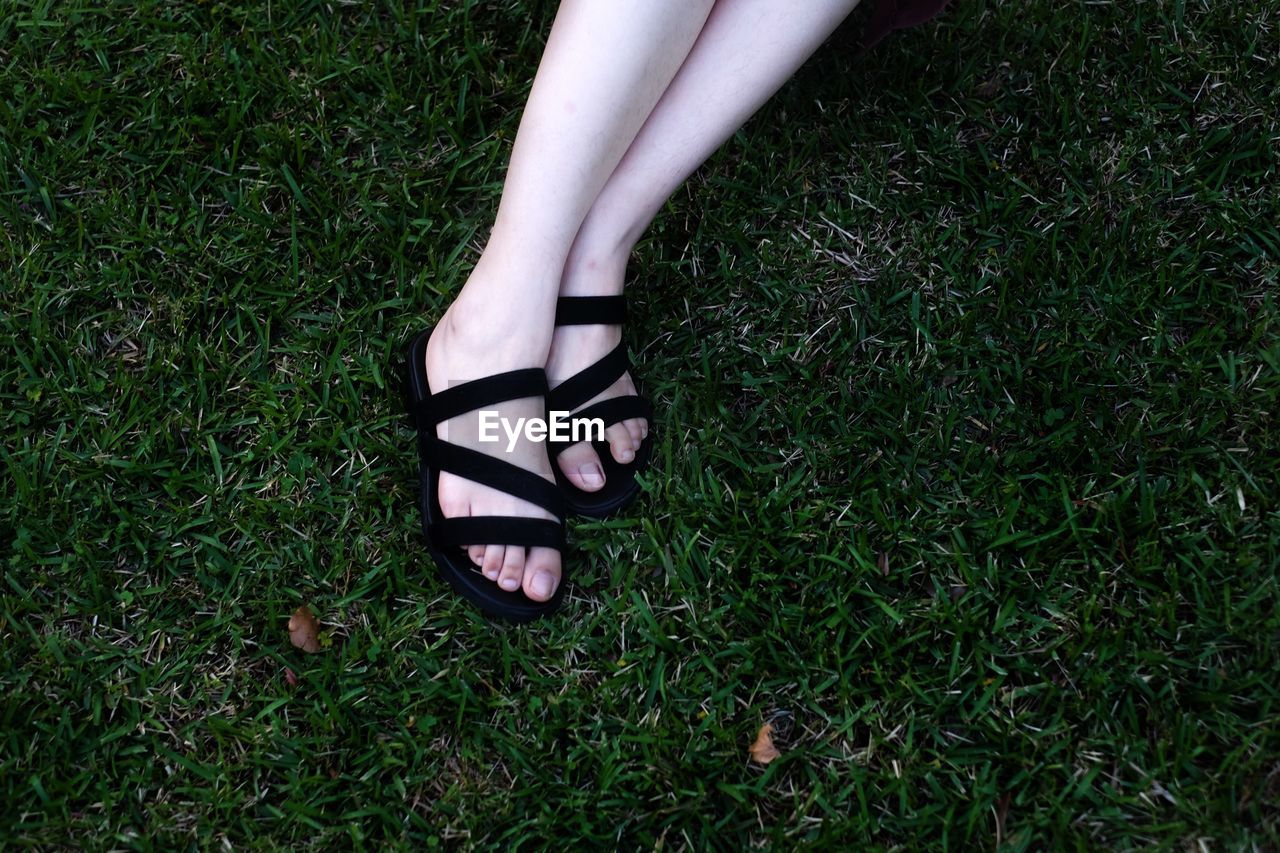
(967, 366)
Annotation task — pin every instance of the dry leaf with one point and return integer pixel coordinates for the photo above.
(290, 678)
(883, 563)
(304, 630)
(762, 750)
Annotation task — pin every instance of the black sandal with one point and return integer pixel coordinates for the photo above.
(447, 538)
(620, 485)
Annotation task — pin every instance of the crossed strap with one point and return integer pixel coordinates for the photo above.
(489, 471)
(587, 383)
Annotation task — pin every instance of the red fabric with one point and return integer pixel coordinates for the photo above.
(890, 15)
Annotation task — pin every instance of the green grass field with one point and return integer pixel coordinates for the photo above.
(967, 361)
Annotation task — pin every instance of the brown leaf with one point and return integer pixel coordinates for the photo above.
(883, 563)
(304, 630)
(289, 678)
(762, 749)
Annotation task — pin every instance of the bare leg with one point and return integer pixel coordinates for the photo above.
(605, 65)
(746, 51)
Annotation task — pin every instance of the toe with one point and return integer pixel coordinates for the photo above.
(635, 426)
(492, 564)
(582, 466)
(476, 553)
(620, 443)
(512, 569)
(541, 573)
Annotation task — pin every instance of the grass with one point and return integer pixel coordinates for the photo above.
(967, 366)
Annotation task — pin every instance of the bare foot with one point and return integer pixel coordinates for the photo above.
(573, 349)
(465, 347)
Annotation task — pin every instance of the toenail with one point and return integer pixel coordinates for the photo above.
(543, 583)
(591, 474)
(509, 584)
(627, 454)
(492, 574)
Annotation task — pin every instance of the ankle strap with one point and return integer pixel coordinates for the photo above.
(591, 310)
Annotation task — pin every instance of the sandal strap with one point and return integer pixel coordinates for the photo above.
(611, 411)
(478, 393)
(587, 383)
(497, 529)
(591, 310)
(493, 472)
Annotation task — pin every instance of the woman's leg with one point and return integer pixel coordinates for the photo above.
(605, 65)
(745, 52)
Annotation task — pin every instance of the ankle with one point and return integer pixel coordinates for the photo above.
(595, 268)
(493, 335)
